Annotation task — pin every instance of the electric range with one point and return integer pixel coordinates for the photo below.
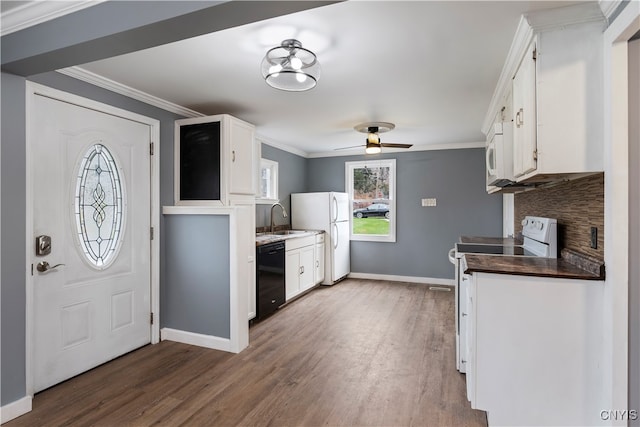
(540, 239)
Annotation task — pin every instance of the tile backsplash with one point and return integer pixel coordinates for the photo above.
(578, 205)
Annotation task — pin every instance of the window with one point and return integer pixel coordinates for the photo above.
(371, 186)
(98, 206)
(268, 191)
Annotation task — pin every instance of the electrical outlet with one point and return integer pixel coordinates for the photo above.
(594, 237)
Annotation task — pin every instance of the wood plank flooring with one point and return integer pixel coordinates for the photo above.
(360, 353)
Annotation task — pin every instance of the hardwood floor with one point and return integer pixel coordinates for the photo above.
(360, 353)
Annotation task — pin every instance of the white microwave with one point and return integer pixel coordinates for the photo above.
(499, 153)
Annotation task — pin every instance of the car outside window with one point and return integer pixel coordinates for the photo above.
(371, 188)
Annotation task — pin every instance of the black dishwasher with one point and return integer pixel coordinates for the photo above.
(270, 291)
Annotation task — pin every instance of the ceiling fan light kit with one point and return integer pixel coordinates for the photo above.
(372, 148)
(290, 67)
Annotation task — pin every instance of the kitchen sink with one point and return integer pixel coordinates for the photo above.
(284, 232)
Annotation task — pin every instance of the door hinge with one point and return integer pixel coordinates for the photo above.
(535, 154)
(151, 318)
(151, 148)
(535, 54)
(151, 233)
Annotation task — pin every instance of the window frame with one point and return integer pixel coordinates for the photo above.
(273, 165)
(349, 168)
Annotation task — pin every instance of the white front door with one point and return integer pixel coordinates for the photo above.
(90, 193)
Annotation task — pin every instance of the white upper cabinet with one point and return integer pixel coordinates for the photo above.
(524, 115)
(242, 157)
(555, 72)
(215, 160)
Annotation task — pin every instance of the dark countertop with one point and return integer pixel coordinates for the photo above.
(530, 266)
(505, 241)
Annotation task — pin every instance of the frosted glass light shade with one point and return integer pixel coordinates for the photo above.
(291, 67)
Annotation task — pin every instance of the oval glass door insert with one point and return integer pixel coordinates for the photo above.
(99, 206)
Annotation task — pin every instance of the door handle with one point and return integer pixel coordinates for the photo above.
(43, 266)
(520, 118)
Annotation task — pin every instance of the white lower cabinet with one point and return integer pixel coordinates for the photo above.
(299, 265)
(534, 353)
(319, 259)
(248, 238)
(463, 322)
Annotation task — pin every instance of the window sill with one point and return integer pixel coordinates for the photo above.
(260, 201)
(372, 238)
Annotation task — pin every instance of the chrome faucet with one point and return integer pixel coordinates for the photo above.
(284, 213)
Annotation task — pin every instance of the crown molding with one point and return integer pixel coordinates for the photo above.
(283, 147)
(609, 7)
(113, 86)
(37, 12)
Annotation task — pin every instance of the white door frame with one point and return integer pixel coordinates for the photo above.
(33, 89)
(616, 209)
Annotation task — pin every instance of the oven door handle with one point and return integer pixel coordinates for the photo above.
(452, 256)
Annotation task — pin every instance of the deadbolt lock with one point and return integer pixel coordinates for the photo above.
(43, 245)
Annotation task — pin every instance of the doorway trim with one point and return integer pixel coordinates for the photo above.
(35, 89)
(616, 212)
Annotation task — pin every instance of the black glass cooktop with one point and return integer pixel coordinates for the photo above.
(492, 249)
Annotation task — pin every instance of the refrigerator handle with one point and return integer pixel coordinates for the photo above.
(335, 209)
(335, 227)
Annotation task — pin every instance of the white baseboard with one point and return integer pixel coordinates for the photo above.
(15, 409)
(410, 279)
(201, 340)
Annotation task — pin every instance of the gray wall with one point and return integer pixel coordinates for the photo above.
(424, 235)
(196, 274)
(292, 179)
(12, 282)
(13, 226)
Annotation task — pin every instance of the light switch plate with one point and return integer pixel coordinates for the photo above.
(429, 202)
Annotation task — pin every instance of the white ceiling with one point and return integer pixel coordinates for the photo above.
(430, 67)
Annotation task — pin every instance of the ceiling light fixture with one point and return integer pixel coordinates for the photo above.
(373, 144)
(373, 148)
(291, 67)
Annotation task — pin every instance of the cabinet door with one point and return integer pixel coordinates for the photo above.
(319, 266)
(307, 267)
(248, 238)
(463, 323)
(198, 172)
(524, 116)
(292, 273)
(470, 341)
(242, 158)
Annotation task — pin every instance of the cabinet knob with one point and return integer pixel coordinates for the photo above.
(464, 314)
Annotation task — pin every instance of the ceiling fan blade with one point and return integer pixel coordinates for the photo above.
(391, 145)
(348, 148)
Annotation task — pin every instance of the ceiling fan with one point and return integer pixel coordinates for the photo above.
(373, 143)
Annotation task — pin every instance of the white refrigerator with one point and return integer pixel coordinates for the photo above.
(329, 212)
